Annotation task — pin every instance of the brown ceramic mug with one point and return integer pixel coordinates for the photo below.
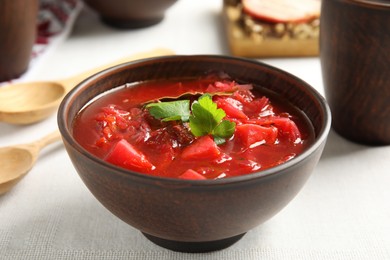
(18, 25)
(355, 60)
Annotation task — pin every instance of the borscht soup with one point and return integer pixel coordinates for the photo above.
(206, 128)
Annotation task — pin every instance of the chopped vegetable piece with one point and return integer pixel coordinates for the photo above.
(192, 175)
(202, 148)
(232, 107)
(125, 155)
(288, 128)
(251, 134)
(222, 87)
(259, 106)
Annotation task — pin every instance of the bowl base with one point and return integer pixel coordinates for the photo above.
(130, 23)
(194, 247)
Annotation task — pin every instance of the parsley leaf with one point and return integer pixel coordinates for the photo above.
(225, 129)
(170, 111)
(207, 118)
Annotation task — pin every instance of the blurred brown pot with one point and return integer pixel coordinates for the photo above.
(130, 13)
(17, 35)
(355, 59)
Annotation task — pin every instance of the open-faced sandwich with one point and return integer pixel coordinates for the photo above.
(272, 28)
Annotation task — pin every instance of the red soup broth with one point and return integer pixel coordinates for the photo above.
(117, 127)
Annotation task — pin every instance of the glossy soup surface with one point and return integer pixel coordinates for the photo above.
(119, 129)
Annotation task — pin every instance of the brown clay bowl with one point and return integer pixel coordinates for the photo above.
(195, 216)
(127, 14)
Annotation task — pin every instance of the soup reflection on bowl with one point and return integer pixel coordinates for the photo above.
(194, 151)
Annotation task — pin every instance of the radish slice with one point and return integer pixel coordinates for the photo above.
(281, 11)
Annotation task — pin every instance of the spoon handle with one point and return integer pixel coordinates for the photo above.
(46, 140)
(69, 83)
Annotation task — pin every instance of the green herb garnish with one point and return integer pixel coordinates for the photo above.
(205, 117)
(170, 111)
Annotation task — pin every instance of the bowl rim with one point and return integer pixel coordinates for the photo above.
(174, 182)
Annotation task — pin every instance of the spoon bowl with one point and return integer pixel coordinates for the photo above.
(16, 161)
(27, 103)
(13, 171)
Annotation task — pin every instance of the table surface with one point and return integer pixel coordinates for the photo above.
(343, 211)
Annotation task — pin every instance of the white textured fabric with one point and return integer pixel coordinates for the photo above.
(343, 212)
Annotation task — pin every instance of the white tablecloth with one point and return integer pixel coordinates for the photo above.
(343, 212)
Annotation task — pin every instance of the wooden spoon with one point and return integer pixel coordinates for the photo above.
(26, 103)
(16, 161)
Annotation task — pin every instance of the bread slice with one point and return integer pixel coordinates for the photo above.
(249, 36)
